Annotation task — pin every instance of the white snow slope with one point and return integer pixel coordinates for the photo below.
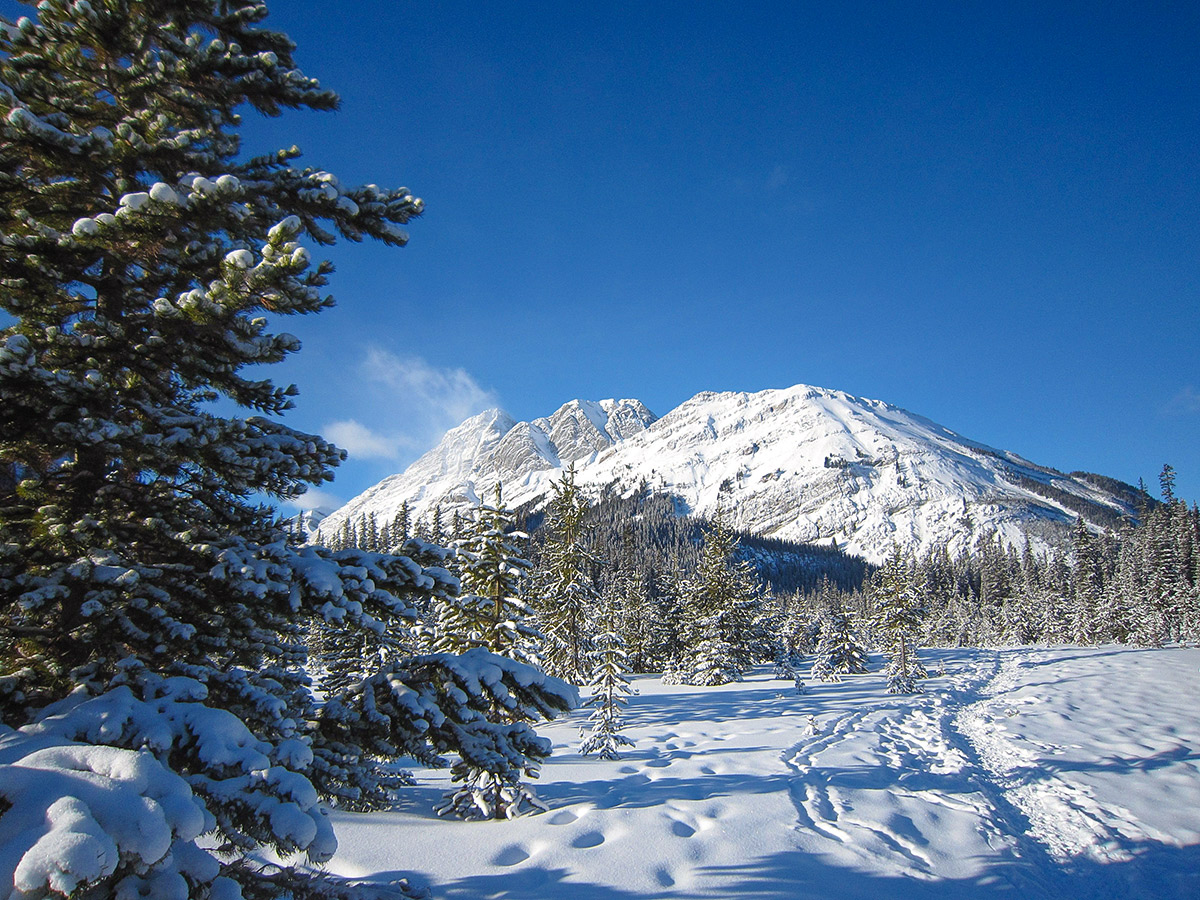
(1022, 773)
(803, 464)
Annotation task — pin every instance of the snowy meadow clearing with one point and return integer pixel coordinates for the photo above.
(1019, 773)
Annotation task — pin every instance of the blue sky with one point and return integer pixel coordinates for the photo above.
(984, 213)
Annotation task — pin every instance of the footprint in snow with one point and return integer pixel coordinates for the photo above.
(682, 829)
(563, 817)
(510, 856)
(588, 839)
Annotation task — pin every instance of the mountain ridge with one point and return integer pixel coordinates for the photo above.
(801, 463)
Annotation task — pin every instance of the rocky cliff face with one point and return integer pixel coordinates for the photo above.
(802, 463)
(493, 447)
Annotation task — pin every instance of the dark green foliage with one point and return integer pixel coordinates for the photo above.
(610, 690)
(490, 610)
(839, 651)
(567, 593)
(475, 705)
(897, 620)
(142, 255)
(1139, 585)
(720, 605)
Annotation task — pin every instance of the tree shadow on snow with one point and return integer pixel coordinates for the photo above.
(520, 883)
(419, 800)
(1157, 871)
(1116, 765)
(762, 700)
(636, 791)
(1061, 654)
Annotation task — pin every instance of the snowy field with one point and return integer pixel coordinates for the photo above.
(1018, 773)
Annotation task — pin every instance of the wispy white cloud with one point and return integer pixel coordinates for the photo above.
(449, 394)
(1186, 402)
(412, 404)
(361, 442)
(778, 178)
(315, 498)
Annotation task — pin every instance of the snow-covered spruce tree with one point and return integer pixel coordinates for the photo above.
(897, 621)
(784, 668)
(151, 617)
(490, 614)
(628, 590)
(476, 705)
(839, 651)
(1087, 581)
(610, 690)
(489, 611)
(567, 596)
(720, 607)
(342, 652)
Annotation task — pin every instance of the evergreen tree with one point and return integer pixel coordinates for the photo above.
(898, 616)
(1087, 580)
(491, 614)
(437, 534)
(664, 640)
(839, 652)
(784, 668)
(401, 526)
(721, 603)
(610, 691)
(490, 611)
(1166, 481)
(140, 256)
(626, 594)
(567, 595)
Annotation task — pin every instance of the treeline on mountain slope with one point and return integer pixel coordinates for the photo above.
(1138, 585)
(646, 527)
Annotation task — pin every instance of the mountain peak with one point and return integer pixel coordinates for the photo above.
(802, 463)
(493, 447)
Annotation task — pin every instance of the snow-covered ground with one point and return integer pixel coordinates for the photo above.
(1021, 773)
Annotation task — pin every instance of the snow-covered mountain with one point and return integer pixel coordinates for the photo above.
(803, 464)
(305, 523)
(464, 467)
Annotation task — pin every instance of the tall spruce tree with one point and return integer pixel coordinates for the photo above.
(898, 617)
(152, 617)
(610, 690)
(1087, 581)
(490, 612)
(720, 607)
(567, 595)
(839, 651)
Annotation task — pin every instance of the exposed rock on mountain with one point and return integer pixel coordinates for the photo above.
(801, 464)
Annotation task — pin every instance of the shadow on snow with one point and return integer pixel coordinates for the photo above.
(1155, 870)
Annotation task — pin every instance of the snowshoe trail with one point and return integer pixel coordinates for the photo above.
(1064, 817)
(894, 783)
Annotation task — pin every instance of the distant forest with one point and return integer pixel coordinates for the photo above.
(1133, 583)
